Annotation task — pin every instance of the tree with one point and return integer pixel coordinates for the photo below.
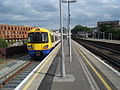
(3, 43)
(110, 29)
(104, 27)
(79, 28)
(116, 34)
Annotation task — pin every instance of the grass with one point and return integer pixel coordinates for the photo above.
(1, 59)
(5, 60)
(17, 56)
(3, 64)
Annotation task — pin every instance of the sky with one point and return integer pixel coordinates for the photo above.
(45, 13)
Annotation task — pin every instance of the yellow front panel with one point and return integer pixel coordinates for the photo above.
(41, 46)
(36, 46)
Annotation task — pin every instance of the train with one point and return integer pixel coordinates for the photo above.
(41, 41)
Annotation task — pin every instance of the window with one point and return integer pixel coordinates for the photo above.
(8, 28)
(13, 32)
(3, 32)
(38, 37)
(5, 28)
(31, 37)
(15, 28)
(11, 28)
(7, 36)
(52, 39)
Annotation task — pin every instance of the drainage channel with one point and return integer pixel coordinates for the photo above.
(14, 82)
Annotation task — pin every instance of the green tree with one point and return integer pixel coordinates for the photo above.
(105, 27)
(3, 43)
(109, 29)
(116, 34)
(79, 28)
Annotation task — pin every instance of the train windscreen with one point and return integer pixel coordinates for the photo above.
(38, 37)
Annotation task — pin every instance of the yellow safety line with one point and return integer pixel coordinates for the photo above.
(100, 77)
(28, 84)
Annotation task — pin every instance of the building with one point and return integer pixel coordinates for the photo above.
(112, 24)
(13, 32)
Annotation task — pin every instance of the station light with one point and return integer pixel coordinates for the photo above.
(69, 1)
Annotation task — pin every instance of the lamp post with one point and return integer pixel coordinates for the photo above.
(62, 53)
(69, 1)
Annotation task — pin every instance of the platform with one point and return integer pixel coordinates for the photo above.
(104, 40)
(85, 72)
(89, 72)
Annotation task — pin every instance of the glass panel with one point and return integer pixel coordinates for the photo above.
(38, 37)
(31, 37)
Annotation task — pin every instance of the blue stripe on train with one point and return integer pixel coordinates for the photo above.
(45, 52)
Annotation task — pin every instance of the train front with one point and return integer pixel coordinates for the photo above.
(39, 43)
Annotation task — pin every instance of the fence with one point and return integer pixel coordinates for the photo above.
(2, 52)
(11, 51)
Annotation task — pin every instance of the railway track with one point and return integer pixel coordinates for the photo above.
(109, 55)
(17, 77)
(103, 47)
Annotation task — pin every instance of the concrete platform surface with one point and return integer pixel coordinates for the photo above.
(75, 78)
(82, 76)
(85, 72)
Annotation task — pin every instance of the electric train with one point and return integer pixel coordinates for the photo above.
(41, 41)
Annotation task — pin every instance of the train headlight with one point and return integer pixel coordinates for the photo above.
(45, 47)
(29, 46)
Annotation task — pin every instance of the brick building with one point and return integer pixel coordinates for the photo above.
(14, 33)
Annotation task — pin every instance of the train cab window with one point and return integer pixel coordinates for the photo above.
(31, 37)
(38, 37)
(44, 37)
(41, 37)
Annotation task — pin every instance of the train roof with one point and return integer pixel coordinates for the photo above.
(39, 30)
(44, 30)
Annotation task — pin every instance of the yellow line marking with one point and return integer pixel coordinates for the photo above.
(35, 75)
(100, 77)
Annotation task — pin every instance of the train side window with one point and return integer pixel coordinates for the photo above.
(56, 38)
(52, 38)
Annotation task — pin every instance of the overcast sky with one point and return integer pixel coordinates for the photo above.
(45, 13)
